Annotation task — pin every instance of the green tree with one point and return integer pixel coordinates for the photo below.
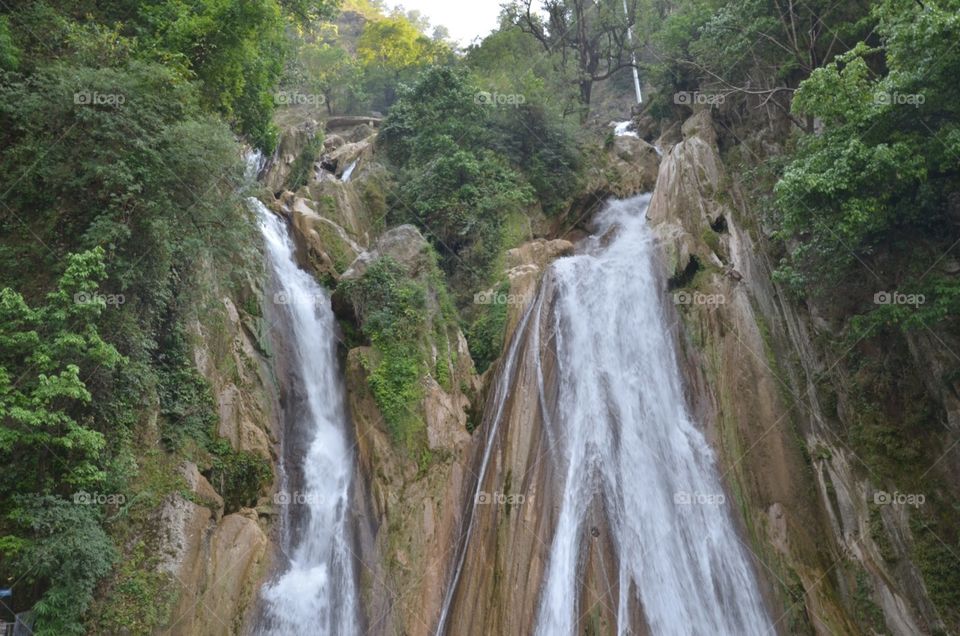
(867, 194)
(307, 11)
(48, 441)
(589, 37)
(391, 49)
(61, 547)
(53, 445)
(234, 49)
(332, 72)
(453, 185)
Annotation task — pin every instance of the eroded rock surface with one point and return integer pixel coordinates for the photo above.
(749, 361)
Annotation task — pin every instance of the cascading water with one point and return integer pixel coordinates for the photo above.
(623, 433)
(345, 177)
(501, 393)
(316, 594)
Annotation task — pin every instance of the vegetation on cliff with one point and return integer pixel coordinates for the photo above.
(846, 133)
(120, 178)
(120, 174)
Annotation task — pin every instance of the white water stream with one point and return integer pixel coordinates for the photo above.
(316, 594)
(624, 435)
(345, 177)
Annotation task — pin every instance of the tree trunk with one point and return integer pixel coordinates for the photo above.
(586, 88)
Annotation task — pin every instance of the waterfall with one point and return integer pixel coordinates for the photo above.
(345, 177)
(501, 393)
(254, 161)
(316, 592)
(624, 435)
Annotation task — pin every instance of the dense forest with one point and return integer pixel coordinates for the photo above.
(123, 224)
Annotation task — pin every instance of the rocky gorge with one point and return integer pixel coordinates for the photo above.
(803, 512)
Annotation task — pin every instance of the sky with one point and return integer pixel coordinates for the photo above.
(465, 19)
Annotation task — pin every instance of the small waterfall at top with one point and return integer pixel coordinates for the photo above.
(254, 162)
(623, 433)
(348, 171)
(316, 592)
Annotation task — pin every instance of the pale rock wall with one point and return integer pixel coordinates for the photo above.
(750, 365)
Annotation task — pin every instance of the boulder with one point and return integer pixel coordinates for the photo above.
(290, 145)
(635, 163)
(404, 244)
(525, 267)
(200, 487)
(700, 125)
(328, 248)
(224, 572)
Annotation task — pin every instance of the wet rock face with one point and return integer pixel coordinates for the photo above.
(407, 513)
(404, 244)
(406, 504)
(748, 358)
(246, 417)
(326, 246)
(219, 560)
(292, 142)
(216, 560)
(634, 164)
(525, 267)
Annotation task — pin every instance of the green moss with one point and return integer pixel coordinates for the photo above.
(374, 197)
(935, 553)
(441, 370)
(516, 229)
(885, 445)
(238, 476)
(485, 334)
(880, 537)
(393, 312)
(140, 597)
(867, 612)
(797, 621)
(710, 237)
(334, 245)
(303, 164)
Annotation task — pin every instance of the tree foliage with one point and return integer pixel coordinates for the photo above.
(66, 551)
(590, 40)
(392, 49)
(452, 185)
(393, 309)
(881, 180)
(118, 124)
(52, 444)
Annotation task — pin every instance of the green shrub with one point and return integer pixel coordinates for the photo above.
(238, 476)
(303, 164)
(67, 552)
(485, 334)
(392, 309)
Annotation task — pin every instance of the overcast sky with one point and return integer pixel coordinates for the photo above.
(465, 19)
